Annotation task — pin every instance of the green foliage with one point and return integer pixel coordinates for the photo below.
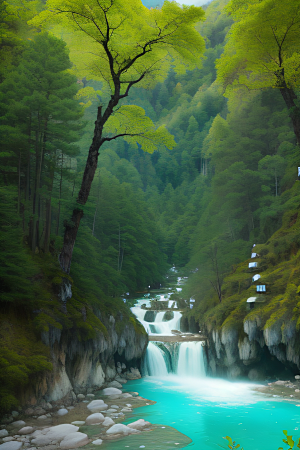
(288, 441)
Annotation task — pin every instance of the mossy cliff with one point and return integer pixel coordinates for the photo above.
(263, 340)
(49, 351)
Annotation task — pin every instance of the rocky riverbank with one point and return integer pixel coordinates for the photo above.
(289, 390)
(92, 420)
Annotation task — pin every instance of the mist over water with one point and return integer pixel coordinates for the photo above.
(201, 407)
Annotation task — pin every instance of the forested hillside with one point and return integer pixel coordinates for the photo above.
(226, 185)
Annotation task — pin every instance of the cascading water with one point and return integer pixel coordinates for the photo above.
(182, 358)
(191, 360)
(154, 363)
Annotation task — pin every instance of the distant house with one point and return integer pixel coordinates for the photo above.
(252, 265)
(252, 300)
(261, 288)
(255, 277)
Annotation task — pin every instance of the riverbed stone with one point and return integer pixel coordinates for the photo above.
(94, 419)
(18, 423)
(74, 440)
(78, 422)
(3, 433)
(120, 428)
(43, 417)
(8, 439)
(97, 442)
(139, 424)
(108, 422)
(12, 445)
(97, 406)
(26, 430)
(52, 435)
(126, 395)
(111, 391)
(62, 412)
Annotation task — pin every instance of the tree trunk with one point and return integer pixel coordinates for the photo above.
(71, 229)
(290, 99)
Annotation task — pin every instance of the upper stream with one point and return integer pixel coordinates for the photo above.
(205, 409)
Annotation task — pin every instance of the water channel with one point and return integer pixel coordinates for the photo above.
(204, 408)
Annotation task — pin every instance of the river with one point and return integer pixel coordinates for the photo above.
(203, 408)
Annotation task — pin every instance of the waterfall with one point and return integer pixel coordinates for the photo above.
(158, 326)
(164, 328)
(191, 360)
(154, 363)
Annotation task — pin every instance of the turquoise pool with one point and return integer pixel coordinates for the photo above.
(206, 409)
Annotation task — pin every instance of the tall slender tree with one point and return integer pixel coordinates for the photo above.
(123, 44)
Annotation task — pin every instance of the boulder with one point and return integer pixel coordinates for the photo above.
(43, 417)
(119, 428)
(97, 442)
(18, 423)
(53, 434)
(115, 384)
(26, 430)
(62, 412)
(139, 424)
(121, 380)
(94, 419)
(3, 433)
(12, 445)
(108, 422)
(280, 382)
(126, 395)
(97, 406)
(111, 391)
(74, 440)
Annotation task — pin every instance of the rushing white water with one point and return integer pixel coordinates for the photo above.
(154, 362)
(191, 360)
(158, 326)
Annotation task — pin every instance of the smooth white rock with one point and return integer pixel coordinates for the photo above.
(108, 422)
(115, 406)
(42, 417)
(90, 395)
(97, 442)
(62, 412)
(80, 396)
(74, 440)
(126, 395)
(8, 439)
(129, 405)
(139, 424)
(297, 377)
(97, 405)
(112, 391)
(94, 419)
(120, 428)
(26, 430)
(3, 433)
(12, 445)
(55, 434)
(18, 423)
(78, 422)
(111, 410)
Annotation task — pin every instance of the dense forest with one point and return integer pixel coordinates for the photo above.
(228, 182)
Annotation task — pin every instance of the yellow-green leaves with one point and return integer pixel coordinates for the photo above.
(131, 122)
(263, 44)
(109, 38)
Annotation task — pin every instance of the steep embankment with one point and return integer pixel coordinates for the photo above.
(50, 350)
(262, 340)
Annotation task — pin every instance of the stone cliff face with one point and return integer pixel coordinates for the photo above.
(255, 353)
(82, 366)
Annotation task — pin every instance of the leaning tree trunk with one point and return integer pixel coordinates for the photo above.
(290, 99)
(71, 227)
